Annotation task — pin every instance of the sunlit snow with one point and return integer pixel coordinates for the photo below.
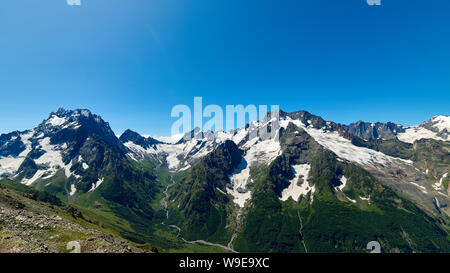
(294, 190)
(56, 121)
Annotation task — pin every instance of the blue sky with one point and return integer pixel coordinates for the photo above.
(131, 61)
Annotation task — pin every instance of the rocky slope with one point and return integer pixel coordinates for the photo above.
(28, 225)
(75, 155)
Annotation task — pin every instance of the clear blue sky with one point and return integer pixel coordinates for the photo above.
(131, 61)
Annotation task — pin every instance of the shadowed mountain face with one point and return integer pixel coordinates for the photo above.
(144, 142)
(76, 156)
(377, 130)
(293, 184)
(75, 144)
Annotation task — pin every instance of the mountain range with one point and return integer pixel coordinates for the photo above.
(296, 183)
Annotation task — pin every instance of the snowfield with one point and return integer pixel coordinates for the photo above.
(294, 190)
(35, 177)
(343, 147)
(168, 139)
(262, 152)
(56, 121)
(415, 133)
(438, 123)
(259, 151)
(441, 123)
(9, 165)
(52, 157)
(139, 150)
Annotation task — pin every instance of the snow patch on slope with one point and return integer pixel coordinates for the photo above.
(172, 151)
(438, 186)
(73, 190)
(52, 160)
(341, 187)
(36, 176)
(97, 184)
(421, 188)
(294, 190)
(239, 180)
(68, 172)
(239, 136)
(221, 137)
(170, 139)
(52, 156)
(56, 121)
(9, 165)
(343, 180)
(437, 128)
(441, 123)
(192, 149)
(343, 147)
(415, 133)
(262, 152)
(139, 150)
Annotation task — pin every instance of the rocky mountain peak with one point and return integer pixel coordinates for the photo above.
(378, 130)
(438, 124)
(136, 138)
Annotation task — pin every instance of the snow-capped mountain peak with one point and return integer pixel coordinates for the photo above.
(437, 128)
(69, 142)
(441, 123)
(169, 139)
(76, 141)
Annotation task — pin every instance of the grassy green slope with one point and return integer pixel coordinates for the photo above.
(332, 223)
(204, 210)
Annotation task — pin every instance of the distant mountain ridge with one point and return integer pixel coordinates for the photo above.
(226, 180)
(73, 141)
(64, 139)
